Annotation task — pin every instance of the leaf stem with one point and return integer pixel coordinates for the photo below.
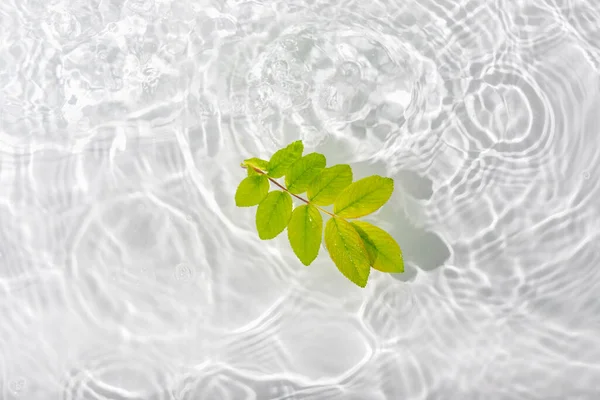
(285, 190)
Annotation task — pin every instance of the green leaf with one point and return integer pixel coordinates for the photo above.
(355, 247)
(328, 185)
(305, 232)
(252, 190)
(347, 250)
(363, 197)
(256, 163)
(384, 253)
(302, 172)
(273, 214)
(284, 158)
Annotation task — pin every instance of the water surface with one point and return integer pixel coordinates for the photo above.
(127, 272)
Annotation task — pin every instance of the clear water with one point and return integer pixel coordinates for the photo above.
(127, 272)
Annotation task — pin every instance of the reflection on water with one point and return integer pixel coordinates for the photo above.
(127, 272)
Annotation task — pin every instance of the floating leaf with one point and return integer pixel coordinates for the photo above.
(273, 214)
(363, 197)
(329, 184)
(257, 163)
(284, 158)
(347, 250)
(355, 247)
(305, 232)
(303, 172)
(384, 253)
(252, 190)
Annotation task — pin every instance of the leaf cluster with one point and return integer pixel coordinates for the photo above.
(354, 246)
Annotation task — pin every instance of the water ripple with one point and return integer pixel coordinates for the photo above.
(127, 271)
(123, 375)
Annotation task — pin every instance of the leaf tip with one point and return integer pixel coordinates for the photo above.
(306, 262)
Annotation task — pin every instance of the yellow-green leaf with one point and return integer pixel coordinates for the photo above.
(273, 214)
(327, 186)
(347, 250)
(384, 253)
(284, 158)
(302, 172)
(257, 163)
(251, 190)
(363, 197)
(305, 231)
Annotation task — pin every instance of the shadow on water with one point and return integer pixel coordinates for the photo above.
(421, 249)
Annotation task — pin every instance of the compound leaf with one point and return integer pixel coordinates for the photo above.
(347, 250)
(327, 186)
(363, 197)
(303, 171)
(252, 190)
(284, 158)
(384, 253)
(305, 232)
(354, 247)
(273, 214)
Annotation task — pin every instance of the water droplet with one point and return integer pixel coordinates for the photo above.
(586, 175)
(17, 386)
(184, 272)
(350, 70)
